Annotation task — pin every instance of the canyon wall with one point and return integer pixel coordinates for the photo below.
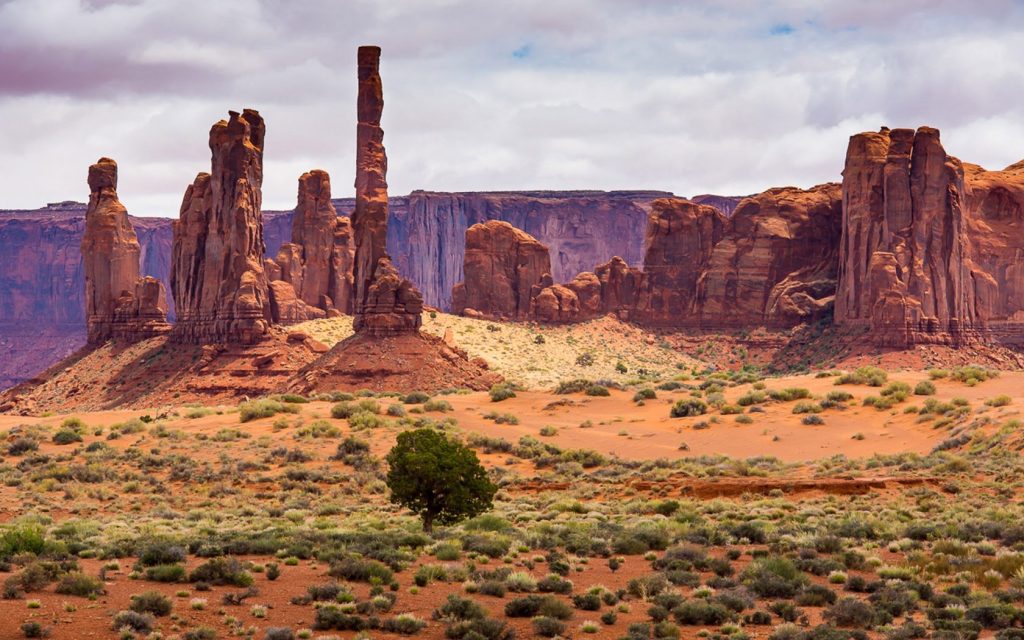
(931, 253)
(581, 229)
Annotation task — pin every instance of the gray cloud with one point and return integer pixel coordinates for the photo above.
(727, 97)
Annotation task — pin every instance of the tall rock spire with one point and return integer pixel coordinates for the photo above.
(220, 289)
(118, 303)
(385, 303)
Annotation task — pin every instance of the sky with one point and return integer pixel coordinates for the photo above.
(690, 97)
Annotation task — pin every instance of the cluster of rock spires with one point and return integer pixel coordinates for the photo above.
(311, 277)
(118, 303)
(913, 245)
(224, 290)
(772, 263)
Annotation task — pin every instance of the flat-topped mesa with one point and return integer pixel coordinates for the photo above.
(905, 268)
(384, 303)
(118, 303)
(502, 265)
(311, 277)
(217, 276)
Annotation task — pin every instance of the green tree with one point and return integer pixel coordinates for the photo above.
(437, 479)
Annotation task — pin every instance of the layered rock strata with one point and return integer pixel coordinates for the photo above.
(221, 292)
(383, 302)
(906, 269)
(118, 303)
(311, 276)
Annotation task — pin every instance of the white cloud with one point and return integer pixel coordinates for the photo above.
(721, 97)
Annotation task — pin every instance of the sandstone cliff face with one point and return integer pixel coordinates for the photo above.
(220, 289)
(118, 304)
(995, 228)
(681, 236)
(775, 264)
(580, 229)
(904, 229)
(384, 303)
(502, 265)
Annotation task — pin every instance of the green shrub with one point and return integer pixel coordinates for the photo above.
(751, 398)
(999, 401)
(442, 406)
(644, 394)
(924, 388)
(342, 410)
(138, 622)
(806, 407)
(222, 571)
(851, 612)
(789, 394)
(579, 385)
(973, 374)
(165, 573)
(773, 577)
(870, 376)
(66, 436)
(502, 391)
(597, 390)
(548, 627)
(264, 408)
(416, 397)
(813, 420)
(688, 407)
(79, 584)
(151, 602)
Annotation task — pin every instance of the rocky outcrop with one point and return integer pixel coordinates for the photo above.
(118, 304)
(502, 265)
(311, 276)
(384, 303)
(775, 264)
(905, 267)
(220, 288)
(681, 236)
(580, 228)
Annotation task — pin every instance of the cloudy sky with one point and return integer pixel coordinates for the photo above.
(690, 97)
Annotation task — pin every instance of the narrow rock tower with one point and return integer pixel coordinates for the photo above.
(118, 303)
(384, 302)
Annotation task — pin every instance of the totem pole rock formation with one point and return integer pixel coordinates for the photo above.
(311, 276)
(905, 267)
(217, 277)
(118, 303)
(502, 265)
(384, 303)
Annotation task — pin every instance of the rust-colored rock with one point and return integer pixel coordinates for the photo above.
(220, 289)
(620, 285)
(317, 263)
(287, 308)
(681, 236)
(904, 198)
(118, 304)
(502, 266)
(775, 264)
(384, 303)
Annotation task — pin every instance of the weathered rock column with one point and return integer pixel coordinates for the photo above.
(118, 304)
(220, 288)
(385, 303)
